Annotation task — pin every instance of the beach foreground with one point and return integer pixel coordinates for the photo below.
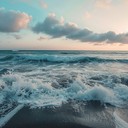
(69, 115)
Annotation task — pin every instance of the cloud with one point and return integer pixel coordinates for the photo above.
(125, 2)
(88, 15)
(58, 28)
(43, 4)
(54, 27)
(103, 3)
(13, 21)
(16, 36)
(42, 38)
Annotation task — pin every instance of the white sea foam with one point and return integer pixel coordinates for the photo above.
(37, 93)
(6, 118)
(120, 123)
(53, 83)
(99, 93)
(122, 91)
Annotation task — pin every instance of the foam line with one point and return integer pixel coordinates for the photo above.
(7, 117)
(120, 123)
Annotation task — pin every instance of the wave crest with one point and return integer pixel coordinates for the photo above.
(60, 59)
(16, 88)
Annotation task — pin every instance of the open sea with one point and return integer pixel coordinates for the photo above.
(42, 79)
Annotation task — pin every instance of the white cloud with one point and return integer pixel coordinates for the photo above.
(43, 4)
(16, 36)
(103, 3)
(42, 38)
(88, 15)
(13, 21)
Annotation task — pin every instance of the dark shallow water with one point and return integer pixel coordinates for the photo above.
(91, 115)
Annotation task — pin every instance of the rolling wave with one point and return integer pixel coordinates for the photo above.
(7, 58)
(17, 88)
(60, 59)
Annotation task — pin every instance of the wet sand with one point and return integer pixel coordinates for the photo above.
(70, 115)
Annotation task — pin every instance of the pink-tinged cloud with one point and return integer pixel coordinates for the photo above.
(43, 4)
(58, 28)
(42, 38)
(13, 21)
(103, 3)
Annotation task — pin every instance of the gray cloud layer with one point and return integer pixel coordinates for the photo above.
(57, 28)
(17, 36)
(13, 21)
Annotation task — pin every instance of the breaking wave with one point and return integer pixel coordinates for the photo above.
(6, 58)
(60, 59)
(61, 77)
(33, 92)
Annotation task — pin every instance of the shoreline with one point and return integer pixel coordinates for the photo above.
(4, 120)
(69, 115)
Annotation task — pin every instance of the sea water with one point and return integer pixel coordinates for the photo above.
(50, 78)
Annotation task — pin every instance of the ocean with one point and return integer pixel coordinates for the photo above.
(51, 79)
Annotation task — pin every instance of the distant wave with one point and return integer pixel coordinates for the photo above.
(60, 59)
(6, 58)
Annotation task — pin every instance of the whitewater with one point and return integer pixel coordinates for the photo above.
(51, 78)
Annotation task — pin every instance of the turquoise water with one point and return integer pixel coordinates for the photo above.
(43, 78)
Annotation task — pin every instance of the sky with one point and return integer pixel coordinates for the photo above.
(64, 24)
